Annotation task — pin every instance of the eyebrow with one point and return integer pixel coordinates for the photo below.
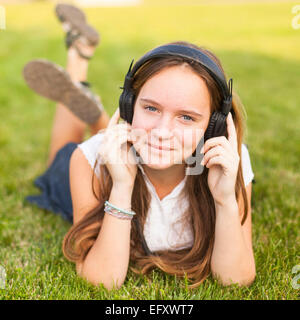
(196, 114)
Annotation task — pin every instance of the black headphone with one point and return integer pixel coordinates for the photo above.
(217, 122)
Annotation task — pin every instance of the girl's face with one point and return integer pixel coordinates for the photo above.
(171, 114)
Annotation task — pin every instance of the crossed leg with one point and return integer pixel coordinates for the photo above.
(67, 127)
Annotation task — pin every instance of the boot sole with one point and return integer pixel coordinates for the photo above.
(53, 82)
(66, 12)
(77, 20)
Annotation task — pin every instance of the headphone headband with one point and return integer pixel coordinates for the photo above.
(186, 53)
(127, 98)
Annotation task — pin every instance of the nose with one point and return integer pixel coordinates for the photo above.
(163, 129)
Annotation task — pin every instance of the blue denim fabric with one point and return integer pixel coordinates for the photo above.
(55, 185)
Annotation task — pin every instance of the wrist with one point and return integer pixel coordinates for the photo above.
(120, 196)
(123, 186)
(228, 204)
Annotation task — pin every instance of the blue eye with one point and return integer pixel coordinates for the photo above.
(150, 107)
(189, 118)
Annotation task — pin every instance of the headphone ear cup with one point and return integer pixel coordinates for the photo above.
(122, 105)
(126, 102)
(210, 128)
(221, 126)
(216, 126)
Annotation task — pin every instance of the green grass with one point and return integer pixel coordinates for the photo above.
(259, 49)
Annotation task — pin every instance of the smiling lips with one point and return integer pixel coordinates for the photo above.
(160, 147)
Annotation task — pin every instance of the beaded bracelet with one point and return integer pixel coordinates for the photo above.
(132, 213)
(117, 212)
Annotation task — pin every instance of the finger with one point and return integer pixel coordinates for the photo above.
(212, 142)
(118, 136)
(213, 152)
(120, 127)
(218, 160)
(137, 134)
(114, 129)
(232, 136)
(112, 151)
(113, 133)
(114, 119)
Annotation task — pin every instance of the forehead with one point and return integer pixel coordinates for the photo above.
(177, 87)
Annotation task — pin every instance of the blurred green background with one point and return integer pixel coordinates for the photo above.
(259, 49)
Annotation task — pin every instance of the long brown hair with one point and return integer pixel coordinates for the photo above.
(194, 262)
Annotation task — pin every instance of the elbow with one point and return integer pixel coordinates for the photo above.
(110, 281)
(248, 282)
(244, 279)
(109, 284)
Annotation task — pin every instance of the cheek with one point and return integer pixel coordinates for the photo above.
(139, 121)
(189, 138)
(140, 128)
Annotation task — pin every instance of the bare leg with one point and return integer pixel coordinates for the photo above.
(66, 126)
(100, 124)
(78, 67)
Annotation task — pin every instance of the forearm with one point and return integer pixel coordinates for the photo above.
(231, 260)
(107, 261)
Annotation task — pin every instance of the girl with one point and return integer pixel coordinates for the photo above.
(135, 171)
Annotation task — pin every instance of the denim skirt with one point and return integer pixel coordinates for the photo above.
(54, 185)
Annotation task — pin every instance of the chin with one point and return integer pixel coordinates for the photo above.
(159, 166)
(160, 163)
(159, 160)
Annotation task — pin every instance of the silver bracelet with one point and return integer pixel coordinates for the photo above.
(117, 214)
(130, 213)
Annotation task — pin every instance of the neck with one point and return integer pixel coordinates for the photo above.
(164, 181)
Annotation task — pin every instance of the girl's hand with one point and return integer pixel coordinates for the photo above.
(222, 158)
(115, 151)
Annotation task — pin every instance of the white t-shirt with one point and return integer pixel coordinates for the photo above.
(163, 229)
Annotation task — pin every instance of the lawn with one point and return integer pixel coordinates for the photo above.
(258, 48)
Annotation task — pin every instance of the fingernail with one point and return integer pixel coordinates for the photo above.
(202, 149)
